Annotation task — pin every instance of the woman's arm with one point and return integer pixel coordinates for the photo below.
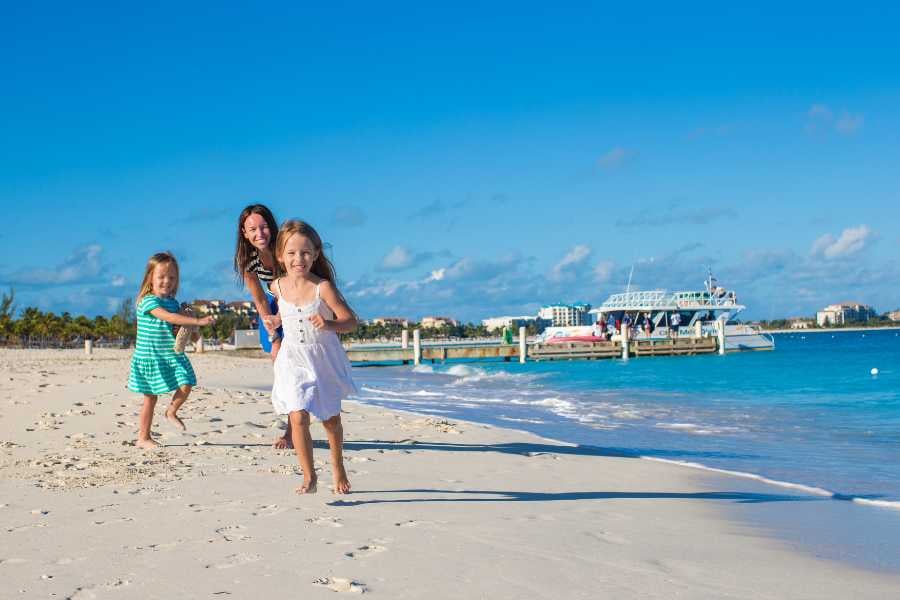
(344, 320)
(179, 319)
(259, 299)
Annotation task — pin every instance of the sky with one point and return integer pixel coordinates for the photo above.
(464, 160)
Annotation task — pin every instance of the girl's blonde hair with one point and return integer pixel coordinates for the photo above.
(157, 259)
(321, 267)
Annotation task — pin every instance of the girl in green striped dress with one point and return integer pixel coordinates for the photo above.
(155, 367)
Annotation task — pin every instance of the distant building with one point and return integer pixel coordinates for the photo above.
(436, 322)
(244, 308)
(209, 307)
(843, 313)
(799, 323)
(894, 315)
(387, 321)
(498, 323)
(566, 315)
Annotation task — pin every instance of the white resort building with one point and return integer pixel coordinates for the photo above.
(498, 323)
(437, 322)
(845, 312)
(566, 315)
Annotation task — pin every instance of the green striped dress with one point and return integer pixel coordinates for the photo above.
(155, 368)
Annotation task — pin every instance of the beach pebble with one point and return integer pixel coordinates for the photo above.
(39, 511)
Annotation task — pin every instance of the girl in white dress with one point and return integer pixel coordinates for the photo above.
(312, 373)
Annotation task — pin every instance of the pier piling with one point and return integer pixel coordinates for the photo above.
(720, 333)
(417, 347)
(624, 342)
(404, 339)
(523, 345)
(88, 347)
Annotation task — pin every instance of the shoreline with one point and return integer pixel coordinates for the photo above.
(518, 515)
(832, 329)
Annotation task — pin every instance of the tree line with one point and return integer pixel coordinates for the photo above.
(32, 326)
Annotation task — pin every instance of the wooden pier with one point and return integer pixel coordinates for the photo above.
(538, 352)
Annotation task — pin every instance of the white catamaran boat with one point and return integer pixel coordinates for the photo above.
(697, 313)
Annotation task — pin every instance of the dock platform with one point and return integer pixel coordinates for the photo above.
(535, 351)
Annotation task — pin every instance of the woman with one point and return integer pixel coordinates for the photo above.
(254, 265)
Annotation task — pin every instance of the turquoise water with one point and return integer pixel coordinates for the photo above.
(809, 413)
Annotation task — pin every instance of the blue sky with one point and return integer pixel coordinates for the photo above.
(466, 160)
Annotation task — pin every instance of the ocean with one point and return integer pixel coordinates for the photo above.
(809, 415)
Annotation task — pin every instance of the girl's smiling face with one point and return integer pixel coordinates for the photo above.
(256, 231)
(299, 254)
(165, 279)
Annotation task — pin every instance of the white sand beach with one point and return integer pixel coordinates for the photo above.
(439, 509)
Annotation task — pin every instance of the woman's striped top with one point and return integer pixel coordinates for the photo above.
(255, 266)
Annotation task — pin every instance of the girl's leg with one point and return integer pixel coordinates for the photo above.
(303, 446)
(144, 440)
(178, 398)
(282, 441)
(335, 431)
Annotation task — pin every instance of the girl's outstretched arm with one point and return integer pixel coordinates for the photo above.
(179, 319)
(344, 320)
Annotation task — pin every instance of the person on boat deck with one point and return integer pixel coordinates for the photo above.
(648, 324)
(626, 323)
(612, 324)
(676, 322)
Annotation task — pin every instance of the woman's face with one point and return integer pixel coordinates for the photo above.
(256, 231)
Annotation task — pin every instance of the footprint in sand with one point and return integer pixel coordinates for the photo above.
(231, 533)
(160, 547)
(326, 521)
(364, 551)
(407, 524)
(234, 560)
(360, 459)
(609, 538)
(341, 584)
(267, 510)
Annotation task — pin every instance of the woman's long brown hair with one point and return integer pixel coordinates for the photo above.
(244, 250)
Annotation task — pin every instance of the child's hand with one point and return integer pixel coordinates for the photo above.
(271, 323)
(318, 322)
(204, 321)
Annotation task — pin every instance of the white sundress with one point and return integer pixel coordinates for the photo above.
(312, 372)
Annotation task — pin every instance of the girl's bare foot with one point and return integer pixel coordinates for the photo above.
(174, 420)
(341, 483)
(308, 487)
(147, 444)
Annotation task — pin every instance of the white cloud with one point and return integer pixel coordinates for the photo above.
(614, 158)
(398, 258)
(603, 271)
(83, 266)
(573, 258)
(849, 124)
(117, 281)
(851, 241)
(820, 111)
(822, 118)
(348, 216)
